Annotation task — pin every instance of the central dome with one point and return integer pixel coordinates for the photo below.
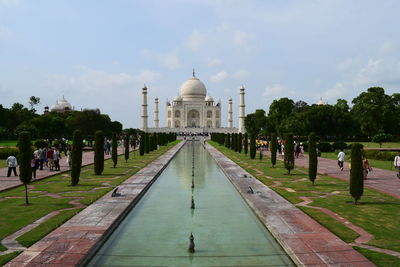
(193, 88)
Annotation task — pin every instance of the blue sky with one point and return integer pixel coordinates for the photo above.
(99, 53)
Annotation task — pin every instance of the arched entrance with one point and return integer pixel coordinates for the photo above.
(193, 118)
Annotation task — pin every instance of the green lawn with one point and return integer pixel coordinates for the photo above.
(3, 163)
(90, 188)
(8, 142)
(376, 145)
(378, 213)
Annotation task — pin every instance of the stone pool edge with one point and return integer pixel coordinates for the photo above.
(75, 242)
(305, 241)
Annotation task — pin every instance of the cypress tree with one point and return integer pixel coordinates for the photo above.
(289, 153)
(261, 154)
(274, 148)
(246, 143)
(356, 173)
(99, 152)
(24, 158)
(233, 142)
(151, 141)
(236, 146)
(312, 158)
(229, 141)
(239, 143)
(155, 141)
(76, 157)
(142, 144)
(147, 143)
(134, 144)
(126, 152)
(252, 146)
(114, 151)
(226, 140)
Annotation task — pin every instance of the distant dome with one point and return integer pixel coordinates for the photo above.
(193, 88)
(321, 102)
(55, 107)
(209, 98)
(178, 98)
(61, 105)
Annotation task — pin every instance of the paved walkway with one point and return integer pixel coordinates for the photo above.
(380, 180)
(306, 241)
(13, 181)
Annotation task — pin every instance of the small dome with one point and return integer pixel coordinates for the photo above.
(321, 102)
(55, 107)
(64, 104)
(209, 98)
(193, 88)
(177, 98)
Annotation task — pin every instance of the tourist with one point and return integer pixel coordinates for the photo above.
(42, 157)
(34, 166)
(12, 165)
(69, 156)
(56, 159)
(341, 156)
(366, 168)
(397, 164)
(301, 150)
(50, 160)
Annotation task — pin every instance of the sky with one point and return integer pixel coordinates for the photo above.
(100, 53)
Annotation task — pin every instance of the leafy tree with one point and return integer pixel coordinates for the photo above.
(279, 111)
(289, 153)
(245, 143)
(114, 147)
(99, 153)
(356, 173)
(76, 157)
(312, 157)
(381, 138)
(252, 146)
(142, 144)
(33, 101)
(255, 122)
(126, 144)
(25, 156)
(375, 111)
(147, 143)
(274, 148)
(239, 142)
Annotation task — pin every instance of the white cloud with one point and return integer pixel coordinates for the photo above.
(219, 77)
(243, 39)
(170, 61)
(196, 40)
(337, 91)
(378, 72)
(96, 81)
(213, 62)
(277, 90)
(240, 74)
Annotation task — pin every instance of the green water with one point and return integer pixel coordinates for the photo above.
(156, 232)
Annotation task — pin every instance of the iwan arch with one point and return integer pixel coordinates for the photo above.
(193, 111)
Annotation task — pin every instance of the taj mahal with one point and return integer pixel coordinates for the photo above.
(193, 110)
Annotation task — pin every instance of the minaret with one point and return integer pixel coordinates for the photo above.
(241, 111)
(156, 120)
(144, 109)
(230, 120)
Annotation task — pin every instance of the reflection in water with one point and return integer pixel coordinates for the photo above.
(155, 232)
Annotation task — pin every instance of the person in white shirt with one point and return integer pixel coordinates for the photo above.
(12, 165)
(397, 164)
(341, 156)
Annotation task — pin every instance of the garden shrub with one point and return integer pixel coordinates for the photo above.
(325, 147)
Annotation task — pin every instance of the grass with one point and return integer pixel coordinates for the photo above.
(380, 259)
(3, 163)
(90, 188)
(381, 164)
(43, 229)
(8, 142)
(378, 213)
(6, 258)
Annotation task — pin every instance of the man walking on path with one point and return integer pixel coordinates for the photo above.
(12, 165)
(341, 157)
(397, 164)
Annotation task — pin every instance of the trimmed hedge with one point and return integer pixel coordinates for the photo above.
(379, 155)
(7, 151)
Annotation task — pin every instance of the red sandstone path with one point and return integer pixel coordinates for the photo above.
(380, 180)
(13, 181)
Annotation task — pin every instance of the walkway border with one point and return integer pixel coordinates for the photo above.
(304, 240)
(75, 242)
